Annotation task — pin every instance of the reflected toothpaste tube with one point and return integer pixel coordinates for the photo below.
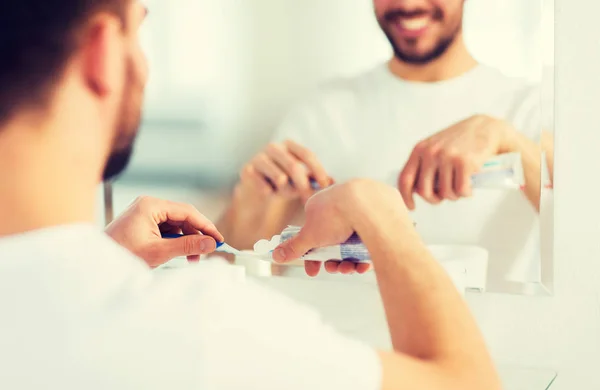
(502, 171)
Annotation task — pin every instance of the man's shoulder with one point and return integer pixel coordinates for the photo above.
(517, 86)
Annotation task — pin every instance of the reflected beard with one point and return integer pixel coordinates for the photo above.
(423, 59)
(117, 162)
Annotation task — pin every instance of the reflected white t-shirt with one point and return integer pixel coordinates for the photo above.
(81, 312)
(367, 126)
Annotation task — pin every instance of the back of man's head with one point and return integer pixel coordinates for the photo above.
(79, 58)
(37, 39)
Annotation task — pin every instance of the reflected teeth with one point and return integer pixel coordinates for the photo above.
(414, 23)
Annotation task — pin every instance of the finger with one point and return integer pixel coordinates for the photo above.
(462, 179)
(426, 179)
(267, 168)
(362, 268)
(331, 266)
(292, 167)
(193, 259)
(191, 245)
(187, 229)
(312, 268)
(311, 161)
(294, 248)
(169, 229)
(179, 214)
(445, 182)
(347, 267)
(256, 180)
(407, 180)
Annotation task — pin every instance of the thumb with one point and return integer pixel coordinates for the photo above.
(294, 248)
(188, 245)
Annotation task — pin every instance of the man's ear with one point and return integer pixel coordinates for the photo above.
(103, 55)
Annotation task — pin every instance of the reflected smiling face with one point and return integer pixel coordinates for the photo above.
(420, 31)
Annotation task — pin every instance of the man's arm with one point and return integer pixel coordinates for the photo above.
(437, 344)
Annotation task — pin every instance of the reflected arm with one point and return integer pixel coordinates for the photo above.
(531, 155)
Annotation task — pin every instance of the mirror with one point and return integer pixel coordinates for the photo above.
(228, 78)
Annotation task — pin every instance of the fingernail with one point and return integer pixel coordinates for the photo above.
(203, 245)
(280, 255)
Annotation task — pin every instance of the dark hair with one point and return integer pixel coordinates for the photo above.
(37, 37)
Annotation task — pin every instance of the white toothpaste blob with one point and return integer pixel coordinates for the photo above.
(264, 247)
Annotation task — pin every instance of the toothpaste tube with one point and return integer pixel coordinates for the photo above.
(352, 249)
(502, 171)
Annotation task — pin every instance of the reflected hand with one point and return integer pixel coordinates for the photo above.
(440, 167)
(331, 218)
(284, 169)
(140, 227)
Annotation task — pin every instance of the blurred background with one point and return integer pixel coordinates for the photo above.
(223, 72)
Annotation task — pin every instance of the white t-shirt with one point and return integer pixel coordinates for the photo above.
(80, 312)
(367, 127)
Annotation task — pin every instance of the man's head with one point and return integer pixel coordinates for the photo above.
(77, 55)
(420, 31)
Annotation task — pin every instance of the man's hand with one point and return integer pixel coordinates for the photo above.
(140, 227)
(440, 167)
(272, 189)
(332, 216)
(285, 169)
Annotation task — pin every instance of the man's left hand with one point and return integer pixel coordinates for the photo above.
(440, 167)
(140, 229)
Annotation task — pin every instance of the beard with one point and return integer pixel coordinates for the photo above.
(412, 56)
(117, 162)
(128, 123)
(421, 59)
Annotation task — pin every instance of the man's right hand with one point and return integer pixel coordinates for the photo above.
(284, 169)
(334, 214)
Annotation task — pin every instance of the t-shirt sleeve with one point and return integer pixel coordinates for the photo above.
(534, 111)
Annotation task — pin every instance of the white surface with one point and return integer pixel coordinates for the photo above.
(473, 259)
(453, 259)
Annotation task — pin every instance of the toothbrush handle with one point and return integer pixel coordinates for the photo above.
(178, 235)
(171, 235)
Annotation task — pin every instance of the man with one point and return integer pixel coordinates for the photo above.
(431, 114)
(81, 311)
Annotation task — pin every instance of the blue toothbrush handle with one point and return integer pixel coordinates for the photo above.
(171, 235)
(178, 235)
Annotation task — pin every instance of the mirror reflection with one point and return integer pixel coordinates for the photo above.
(452, 106)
